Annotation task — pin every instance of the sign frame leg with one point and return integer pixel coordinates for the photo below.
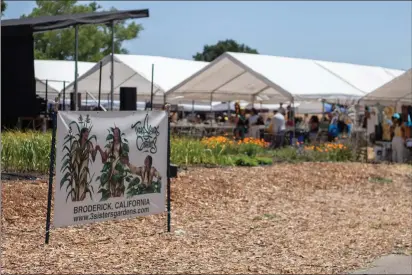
(51, 170)
(169, 216)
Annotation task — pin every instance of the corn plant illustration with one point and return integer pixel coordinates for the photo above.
(148, 181)
(115, 161)
(79, 152)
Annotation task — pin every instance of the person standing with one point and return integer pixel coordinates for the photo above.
(398, 139)
(305, 122)
(253, 124)
(241, 125)
(281, 109)
(333, 130)
(314, 125)
(278, 128)
(371, 121)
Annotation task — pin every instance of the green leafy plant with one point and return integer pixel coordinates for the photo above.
(114, 172)
(246, 161)
(75, 162)
(136, 187)
(264, 160)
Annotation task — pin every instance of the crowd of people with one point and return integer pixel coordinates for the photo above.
(284, 121)
(276, 126)
(383, 124)
(279, 127)
(283, 127)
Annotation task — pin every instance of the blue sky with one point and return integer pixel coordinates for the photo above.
(371, 32)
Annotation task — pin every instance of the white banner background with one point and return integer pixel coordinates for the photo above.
(83, 208)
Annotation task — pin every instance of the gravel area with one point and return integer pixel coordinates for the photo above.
(302, 218)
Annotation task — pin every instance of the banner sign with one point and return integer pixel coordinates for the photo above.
(109, 165)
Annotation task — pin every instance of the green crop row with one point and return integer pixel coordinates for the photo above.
(30, 152)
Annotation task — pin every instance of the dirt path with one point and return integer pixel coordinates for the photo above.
(304, 218)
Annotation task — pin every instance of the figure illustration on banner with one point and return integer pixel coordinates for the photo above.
(115, 159)
(79, 152)
(148, 181)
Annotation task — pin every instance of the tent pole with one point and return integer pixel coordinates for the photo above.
(323, 109)
(47, 103)
(112, 71)
(64, 96)
(211, 108)
(100, 83)
(151, 90)
(293, 118)
(76, 58)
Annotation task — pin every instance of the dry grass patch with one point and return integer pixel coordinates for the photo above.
(303, 218)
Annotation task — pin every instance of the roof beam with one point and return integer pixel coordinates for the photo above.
(338, 76)
(235, 61)
(157, 90)
(261, 91)
(260, 77)
(227, 82)
(187, 80)
(124, 81)
(92, 70)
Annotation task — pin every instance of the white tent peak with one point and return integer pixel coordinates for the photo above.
(318, 60)
(264, 78)
(363, 78)
(136, 71)
(55, 72)
(167, 71)
(398, 90)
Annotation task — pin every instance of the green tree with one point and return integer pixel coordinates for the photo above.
(211, 52)
(3, 6)
(94, 40)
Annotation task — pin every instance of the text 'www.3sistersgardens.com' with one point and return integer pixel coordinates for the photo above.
(111, 211)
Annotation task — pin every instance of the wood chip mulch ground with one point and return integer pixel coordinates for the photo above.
(303, 218)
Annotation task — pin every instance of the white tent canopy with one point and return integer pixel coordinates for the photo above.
(198, 107)
(56, 72)
(136, 71)
(41, 87)
(399, 90)
(312, 107)
(260, 106)
(224, 106)
(252, 77)
(364, 78)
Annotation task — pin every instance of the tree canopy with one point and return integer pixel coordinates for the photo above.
(211, 52)
(94, 40)
(3, 6)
